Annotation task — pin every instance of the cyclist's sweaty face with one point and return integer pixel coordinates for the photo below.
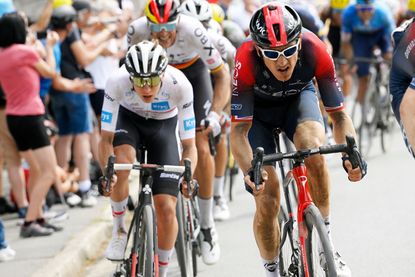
(282, 67)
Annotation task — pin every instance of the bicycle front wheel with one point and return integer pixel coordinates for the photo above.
(319, 253)
(148, 261)
(183, 242)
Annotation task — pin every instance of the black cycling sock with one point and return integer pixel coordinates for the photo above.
(27, 223)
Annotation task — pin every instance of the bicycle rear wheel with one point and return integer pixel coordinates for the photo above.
(148, 260)
(183, 243)
(319, 253)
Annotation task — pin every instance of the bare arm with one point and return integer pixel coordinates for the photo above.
(189, 152)
(222, 89)
(44, 18)
(86, 56)
(44, 69)
(77, 85)
(241, 149)
(342, 126)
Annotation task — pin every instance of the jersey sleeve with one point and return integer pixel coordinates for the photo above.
(186, 115)
(325, 74)
(242, 101)
(347, 20)
(111, 105)
(205, 48)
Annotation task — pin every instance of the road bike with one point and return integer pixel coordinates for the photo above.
(142, 259)
(305, 249)
(377, 118)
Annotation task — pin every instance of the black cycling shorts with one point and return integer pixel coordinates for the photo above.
(160, 138)
(286, 115)
(199, 76)
(29, 131)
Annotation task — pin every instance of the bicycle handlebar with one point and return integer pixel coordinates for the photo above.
(211, 139)
(257, 163)
(350, 148)
(109, 172)
(155, 167)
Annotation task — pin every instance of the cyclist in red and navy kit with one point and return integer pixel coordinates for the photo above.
(402, 81)
(272, 87)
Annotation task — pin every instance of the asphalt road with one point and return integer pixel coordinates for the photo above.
(372, 222)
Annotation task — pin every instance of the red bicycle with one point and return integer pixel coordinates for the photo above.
(307, 253)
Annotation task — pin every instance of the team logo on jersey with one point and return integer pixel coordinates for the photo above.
(189, 124)
(236, 107)
(106, 117)
(160, 106)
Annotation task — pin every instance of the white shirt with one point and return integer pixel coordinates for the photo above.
(174, 98)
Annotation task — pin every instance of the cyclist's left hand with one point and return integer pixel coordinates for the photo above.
(355, 174)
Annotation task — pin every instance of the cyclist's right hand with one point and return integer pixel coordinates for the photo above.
(103, 184)
(250, 185)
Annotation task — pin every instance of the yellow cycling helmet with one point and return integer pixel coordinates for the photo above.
(218, 14)
(58, 3)
(339, 4)
(411, 6)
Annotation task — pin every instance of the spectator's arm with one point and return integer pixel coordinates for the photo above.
(86, 56)
(44, 18)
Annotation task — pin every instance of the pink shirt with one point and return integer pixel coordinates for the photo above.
(20, 80)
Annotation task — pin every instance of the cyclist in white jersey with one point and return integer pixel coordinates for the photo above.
(147, 103)
(189, 49)
(202, 10)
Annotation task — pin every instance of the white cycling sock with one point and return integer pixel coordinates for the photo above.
(84, 185)
(219, 183)
(164, 258)
(271, 267)
(118, 214)
(206, 216)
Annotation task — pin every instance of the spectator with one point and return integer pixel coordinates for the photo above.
(25, 111)
(72, 110)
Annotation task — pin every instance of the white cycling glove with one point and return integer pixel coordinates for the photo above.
(214, 121)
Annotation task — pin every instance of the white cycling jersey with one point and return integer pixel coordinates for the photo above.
(174, 98)
(224, 46)
(191, 41)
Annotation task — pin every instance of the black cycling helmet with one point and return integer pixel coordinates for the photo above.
(274, 25)
(62, 16)
(146, 59)
(162, 11)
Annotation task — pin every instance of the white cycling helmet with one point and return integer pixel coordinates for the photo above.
(199, 9)
(146, 59)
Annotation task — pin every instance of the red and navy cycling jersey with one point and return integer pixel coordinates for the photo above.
(403, 62)
(254, 85)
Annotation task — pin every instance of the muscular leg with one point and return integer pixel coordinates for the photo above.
(205, 166)
(166, 220)
(362, 88)
(124, 154)
(266, 229)
(63, 150)
(310, 134)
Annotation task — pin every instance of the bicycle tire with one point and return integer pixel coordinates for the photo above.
(288, 260)
(183, 244)
(315, 227)
(147, 266)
